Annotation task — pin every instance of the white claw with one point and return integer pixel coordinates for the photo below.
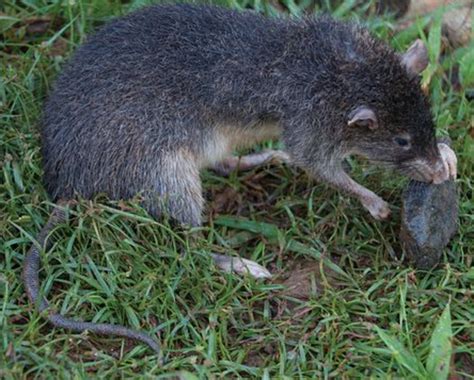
(240, 266)
(449, 159)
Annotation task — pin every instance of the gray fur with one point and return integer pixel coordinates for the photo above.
(164, 79)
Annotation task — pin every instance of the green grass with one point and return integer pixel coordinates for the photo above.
(356, 311)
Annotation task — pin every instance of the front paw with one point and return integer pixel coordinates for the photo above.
(377, 207)
(449, 159)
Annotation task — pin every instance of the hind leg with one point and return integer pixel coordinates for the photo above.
(250, 161)
(175, 189)
(178, 194)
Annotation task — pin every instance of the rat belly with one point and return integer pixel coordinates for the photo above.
(228, 138)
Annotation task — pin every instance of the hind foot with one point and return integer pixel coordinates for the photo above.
(240, 266)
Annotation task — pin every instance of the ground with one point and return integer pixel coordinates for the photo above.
(343, 302)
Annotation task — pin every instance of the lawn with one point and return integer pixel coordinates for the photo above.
(343, 302)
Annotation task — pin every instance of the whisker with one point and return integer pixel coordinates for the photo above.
(407, 168)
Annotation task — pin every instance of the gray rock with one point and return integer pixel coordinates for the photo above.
(429, 221)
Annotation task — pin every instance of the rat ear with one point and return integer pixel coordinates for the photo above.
(415, 58)
(363, 116)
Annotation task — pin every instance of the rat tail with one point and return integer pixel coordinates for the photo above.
(31, 282)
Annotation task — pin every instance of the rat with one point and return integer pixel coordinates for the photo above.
(156, 96)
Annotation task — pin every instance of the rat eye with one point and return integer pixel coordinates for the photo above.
(401, 141)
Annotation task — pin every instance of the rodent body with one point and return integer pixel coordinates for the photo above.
(154, 97)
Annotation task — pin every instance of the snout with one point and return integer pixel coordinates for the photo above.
(437, 170)
(428, 171)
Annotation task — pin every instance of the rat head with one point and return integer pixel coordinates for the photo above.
(390, 122)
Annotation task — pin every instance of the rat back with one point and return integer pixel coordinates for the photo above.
(143, 86)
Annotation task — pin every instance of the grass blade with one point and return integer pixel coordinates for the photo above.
(439, 358)
(270, 231)
(466, 68)
(403, 357)
(434, 36)
(298, 247)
